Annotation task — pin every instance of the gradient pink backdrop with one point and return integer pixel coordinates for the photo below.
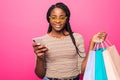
(21, 20)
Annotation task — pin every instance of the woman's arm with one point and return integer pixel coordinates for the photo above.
(91, 46)
(40, 50)
(40, 67)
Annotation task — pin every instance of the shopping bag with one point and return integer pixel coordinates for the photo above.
(100, 71)
(115, 57)
(90, 67)
(111, 70)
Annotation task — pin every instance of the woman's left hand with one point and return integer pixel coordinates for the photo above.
(99, 37)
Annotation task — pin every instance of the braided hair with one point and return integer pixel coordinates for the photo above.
(67, 26)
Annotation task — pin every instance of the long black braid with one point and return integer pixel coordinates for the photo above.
(67, 25)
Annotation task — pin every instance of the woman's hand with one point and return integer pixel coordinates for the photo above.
(99, 37)
(39, 50)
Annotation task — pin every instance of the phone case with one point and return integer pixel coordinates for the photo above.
(38, 40)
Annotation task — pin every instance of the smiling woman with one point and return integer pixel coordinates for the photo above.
(57, 19)
(61, 55)
(21, 20)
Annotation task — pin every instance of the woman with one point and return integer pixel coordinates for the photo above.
(62, 51)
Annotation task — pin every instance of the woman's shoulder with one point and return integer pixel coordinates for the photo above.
(77, 35)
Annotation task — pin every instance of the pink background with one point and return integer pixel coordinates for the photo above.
(21, 20)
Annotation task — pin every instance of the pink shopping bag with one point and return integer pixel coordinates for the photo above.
(111, 70)
(115, 57)
(112, 61)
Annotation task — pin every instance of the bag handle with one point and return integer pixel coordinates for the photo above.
(103, 44)
(108, 42)
(98, 44)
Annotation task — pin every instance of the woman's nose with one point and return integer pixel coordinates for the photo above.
(57, 20)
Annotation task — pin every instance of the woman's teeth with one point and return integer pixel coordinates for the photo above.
(57, 26)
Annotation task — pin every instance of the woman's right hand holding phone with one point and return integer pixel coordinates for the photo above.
(39, 49)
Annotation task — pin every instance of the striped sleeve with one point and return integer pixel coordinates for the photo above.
(80, 44)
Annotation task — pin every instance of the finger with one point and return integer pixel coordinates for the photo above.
(34, 44)
(41, 54)
(43, 50)
(99, 35)
(38, 51)
(41, 47)
(103, 36)
(36, 47)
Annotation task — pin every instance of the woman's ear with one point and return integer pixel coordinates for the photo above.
(49, 17)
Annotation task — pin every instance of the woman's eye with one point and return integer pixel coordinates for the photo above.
(53, 17)
(62, 18)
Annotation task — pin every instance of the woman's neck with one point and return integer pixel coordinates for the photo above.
(59, 34)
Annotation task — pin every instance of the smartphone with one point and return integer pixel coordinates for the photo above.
(38, 40)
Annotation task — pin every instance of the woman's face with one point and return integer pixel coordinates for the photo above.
(57, 19)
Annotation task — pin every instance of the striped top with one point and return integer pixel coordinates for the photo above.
(62, 60)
